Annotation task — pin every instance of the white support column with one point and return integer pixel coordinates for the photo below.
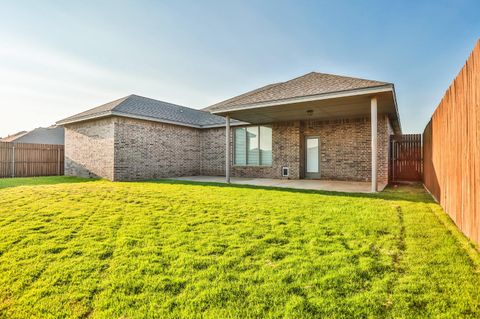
(373, 117)
(227, 149)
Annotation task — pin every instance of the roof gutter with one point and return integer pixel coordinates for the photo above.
(121, 114)
(139, 117)
(84, 118)
(232, 123)
(396, 108)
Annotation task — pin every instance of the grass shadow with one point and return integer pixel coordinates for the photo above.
(44, 180)
(411, 193)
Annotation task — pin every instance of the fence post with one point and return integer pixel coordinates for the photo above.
(58, 161)
(13, 160)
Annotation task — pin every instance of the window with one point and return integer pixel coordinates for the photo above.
(240, 152)
(253, 146)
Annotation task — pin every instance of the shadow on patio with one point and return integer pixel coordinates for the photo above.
(309, 184)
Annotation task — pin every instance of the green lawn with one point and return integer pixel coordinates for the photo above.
(73, 248)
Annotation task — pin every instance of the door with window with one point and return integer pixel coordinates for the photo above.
(312, 157)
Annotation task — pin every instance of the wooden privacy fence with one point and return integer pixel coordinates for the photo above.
(452, 149)
(406, 158)
(24, 160)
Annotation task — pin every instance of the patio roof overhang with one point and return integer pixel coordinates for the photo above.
(334, 105)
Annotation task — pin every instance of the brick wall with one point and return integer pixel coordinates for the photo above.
(89, 148)
(285, 152)
(346, 150)
(212, 152)
(148, 150)
(128, 149)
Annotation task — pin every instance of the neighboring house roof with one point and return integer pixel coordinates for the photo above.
(11, 138)
(140, 107)
(313, 83)
(40, 135)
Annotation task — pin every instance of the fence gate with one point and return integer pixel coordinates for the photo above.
(406, 158)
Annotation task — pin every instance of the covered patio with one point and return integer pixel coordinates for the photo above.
(358, 157)
(309, 184)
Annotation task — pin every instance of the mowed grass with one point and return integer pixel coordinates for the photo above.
(72, 248)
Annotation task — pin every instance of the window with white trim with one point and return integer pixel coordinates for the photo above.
(253, 146)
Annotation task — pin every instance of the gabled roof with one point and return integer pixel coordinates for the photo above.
(233, 100)
(313, 83)
(40, 135)
(140, 107)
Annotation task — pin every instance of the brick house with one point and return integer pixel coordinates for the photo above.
(317, 126)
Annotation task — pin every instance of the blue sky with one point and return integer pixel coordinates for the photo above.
(58, 58)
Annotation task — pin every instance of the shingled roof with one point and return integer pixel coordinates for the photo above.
(135, 106)
(313, 83)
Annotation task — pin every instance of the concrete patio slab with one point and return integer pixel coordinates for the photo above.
(324, 185)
